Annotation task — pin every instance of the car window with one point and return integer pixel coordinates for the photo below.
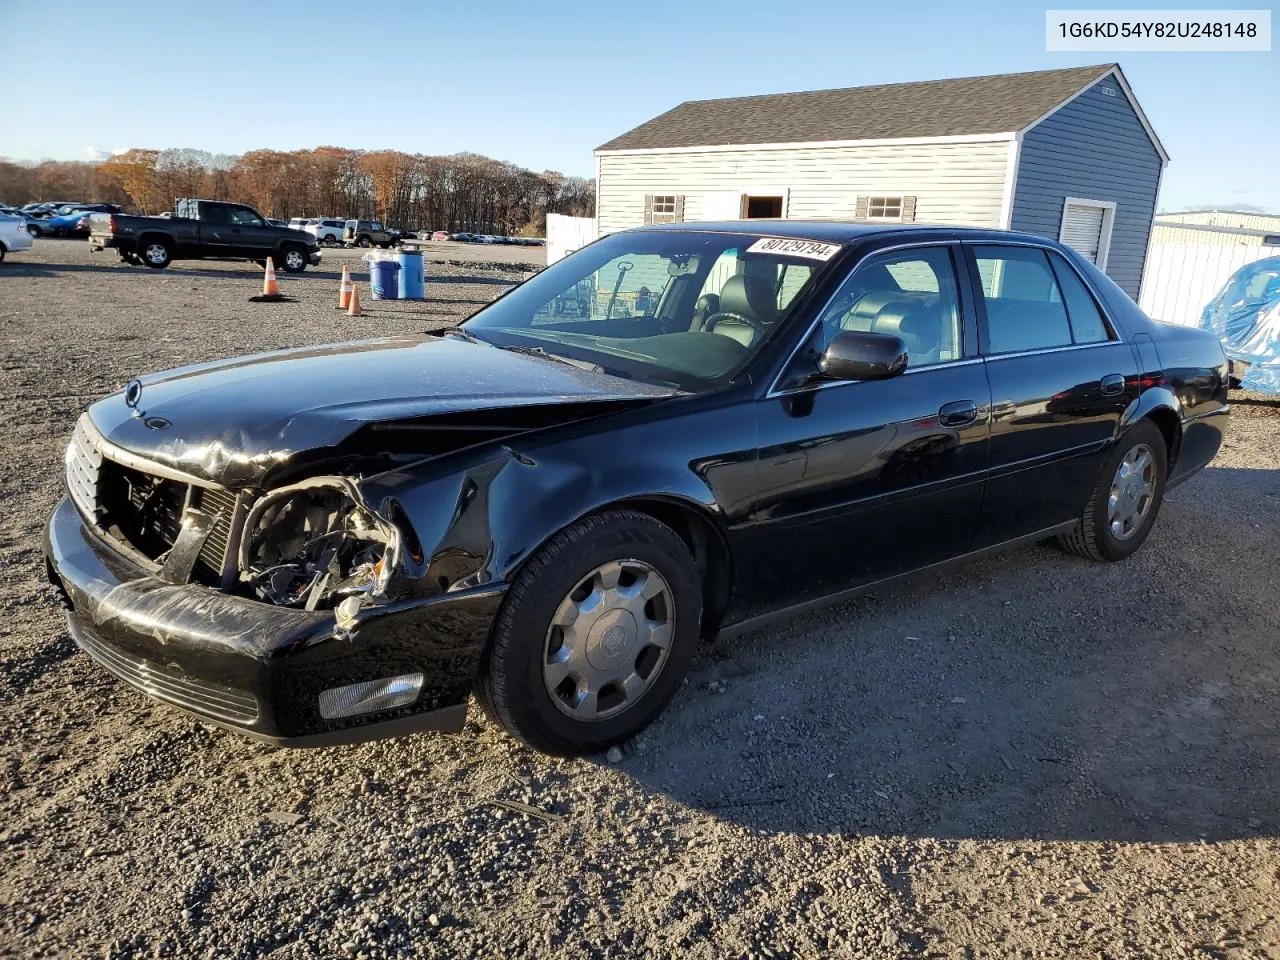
(1023, 302)
(912, 294)
(631, 304)
(242, 215)
(630, 285)
(1087, 325)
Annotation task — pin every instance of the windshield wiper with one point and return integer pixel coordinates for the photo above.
(542, 352)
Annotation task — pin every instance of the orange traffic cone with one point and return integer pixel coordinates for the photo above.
(344, 289)
(269, 286)
(354, 309)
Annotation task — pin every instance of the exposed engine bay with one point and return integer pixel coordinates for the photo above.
(313, 544)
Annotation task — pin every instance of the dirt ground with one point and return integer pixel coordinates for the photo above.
(1031, 757)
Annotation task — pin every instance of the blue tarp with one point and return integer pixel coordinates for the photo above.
(1246, 317)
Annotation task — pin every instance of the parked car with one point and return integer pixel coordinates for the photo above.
(327, 231)
(14, 237)
(75, 222)
(300, 223)
(553, 508)
(202, 229)
(36, 226)
(440, 235)
(365, 233)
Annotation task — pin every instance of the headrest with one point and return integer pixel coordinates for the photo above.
(751, 296)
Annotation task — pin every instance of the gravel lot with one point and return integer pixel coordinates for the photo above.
(1033, 756)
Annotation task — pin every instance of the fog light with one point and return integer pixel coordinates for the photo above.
(370, 696)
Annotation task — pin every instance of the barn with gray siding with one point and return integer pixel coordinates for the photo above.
(1065, 153)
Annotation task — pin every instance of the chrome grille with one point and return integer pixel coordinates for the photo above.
(222, 503)
(141, 509)
(200, 696)
(83, 463)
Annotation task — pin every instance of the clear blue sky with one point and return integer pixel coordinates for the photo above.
(542, 84)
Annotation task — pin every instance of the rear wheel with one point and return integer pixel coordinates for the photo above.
(1124, 505)
(366, 242)
(292, 259)
(156, 254)
(34, 231)
(594, 636)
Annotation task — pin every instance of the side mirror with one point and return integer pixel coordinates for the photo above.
(854, 355)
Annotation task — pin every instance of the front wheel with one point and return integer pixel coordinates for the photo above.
(292, 260)
(595, 635)
(156, 254)
(1124, 505)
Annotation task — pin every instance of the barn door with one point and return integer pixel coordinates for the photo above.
(1086, 228)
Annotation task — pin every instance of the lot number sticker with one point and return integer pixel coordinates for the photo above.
(809, 249)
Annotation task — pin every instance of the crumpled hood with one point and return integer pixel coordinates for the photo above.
(232, 421)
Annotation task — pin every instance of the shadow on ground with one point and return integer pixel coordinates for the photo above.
(1031, 695)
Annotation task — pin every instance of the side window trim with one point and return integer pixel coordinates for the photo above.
(975, 289)
(1056, 263)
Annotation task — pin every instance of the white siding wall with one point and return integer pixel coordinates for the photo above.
(1267, 222)
(960, 183)
(1181, 278)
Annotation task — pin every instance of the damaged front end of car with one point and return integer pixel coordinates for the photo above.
(288, 613)
(316, 546)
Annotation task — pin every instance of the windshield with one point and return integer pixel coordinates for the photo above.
(668, 307)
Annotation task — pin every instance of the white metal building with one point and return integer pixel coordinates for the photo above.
(1063, 153)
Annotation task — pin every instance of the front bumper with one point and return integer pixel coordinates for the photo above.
(258, 669)
(314, 257)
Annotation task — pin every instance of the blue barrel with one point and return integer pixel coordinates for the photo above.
(382, 278)
(413, 278)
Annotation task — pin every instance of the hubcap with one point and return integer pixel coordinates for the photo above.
(293, 259)
(608, 640)
(156, 253)
(1132, 492)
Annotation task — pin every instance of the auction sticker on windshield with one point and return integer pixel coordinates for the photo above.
(809, 249)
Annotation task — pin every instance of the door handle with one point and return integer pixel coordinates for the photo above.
(960, 413)
(1112, 384)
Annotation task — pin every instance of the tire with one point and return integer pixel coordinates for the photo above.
(291, 259)
(365, 242)
(329, 240)
(34, 231)
(514, 687)
(3, 251)
(384, 246)
(1106, 536)
(156, 254)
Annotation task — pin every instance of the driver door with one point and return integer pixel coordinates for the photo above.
(864, 480)
(248, 235)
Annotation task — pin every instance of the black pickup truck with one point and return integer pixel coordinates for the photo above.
(202, 230)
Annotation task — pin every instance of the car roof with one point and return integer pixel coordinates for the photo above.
(833, 231)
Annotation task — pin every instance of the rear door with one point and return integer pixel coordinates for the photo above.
(865, 480)
(1061, 379)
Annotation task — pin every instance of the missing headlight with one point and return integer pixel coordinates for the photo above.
(314, 544)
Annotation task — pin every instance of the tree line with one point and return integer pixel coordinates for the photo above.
(465, 191)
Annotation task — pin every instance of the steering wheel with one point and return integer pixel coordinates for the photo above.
(719, 315)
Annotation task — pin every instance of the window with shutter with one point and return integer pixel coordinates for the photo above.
(1086, 228)
(663, 208)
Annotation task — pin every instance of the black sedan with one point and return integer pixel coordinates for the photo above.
(673, 433)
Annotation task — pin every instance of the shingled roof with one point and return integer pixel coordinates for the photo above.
(1002, 103)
